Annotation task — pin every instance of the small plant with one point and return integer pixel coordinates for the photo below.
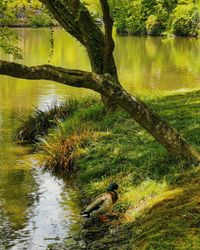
(69, 140)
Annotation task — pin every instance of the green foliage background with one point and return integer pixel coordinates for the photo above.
(152, 17)
(157, 17)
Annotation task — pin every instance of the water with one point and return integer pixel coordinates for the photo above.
(37, 209)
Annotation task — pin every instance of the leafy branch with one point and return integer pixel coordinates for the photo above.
(9, 42)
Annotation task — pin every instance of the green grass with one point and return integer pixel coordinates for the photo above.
(171, 221)
(158, 202)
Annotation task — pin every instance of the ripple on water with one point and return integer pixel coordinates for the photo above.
(49, 216)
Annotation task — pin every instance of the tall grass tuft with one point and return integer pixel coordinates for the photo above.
(61, 152)
(71, 138)
(39, 123)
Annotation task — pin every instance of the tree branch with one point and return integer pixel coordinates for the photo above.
(75, 78)
(92, 35)
(109, 62)
(108, 26)
(75, 18)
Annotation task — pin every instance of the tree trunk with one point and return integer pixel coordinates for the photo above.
(159, 129)
(152, 122)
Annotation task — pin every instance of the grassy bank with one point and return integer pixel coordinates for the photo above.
(169, 221)
(158, 204)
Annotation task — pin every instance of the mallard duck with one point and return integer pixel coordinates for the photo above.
(103, 203)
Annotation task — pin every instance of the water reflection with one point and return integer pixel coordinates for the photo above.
(155, 63)
(144, 63)
(50, 220)
(36, 209)
(17, 187)
(32, 214)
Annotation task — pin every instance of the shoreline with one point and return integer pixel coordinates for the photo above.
(120, 34)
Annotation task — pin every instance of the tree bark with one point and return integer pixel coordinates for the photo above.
(153, 123)
(105, 85)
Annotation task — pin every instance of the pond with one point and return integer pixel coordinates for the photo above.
(36, 209)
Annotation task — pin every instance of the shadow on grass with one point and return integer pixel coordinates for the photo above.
(172, 223)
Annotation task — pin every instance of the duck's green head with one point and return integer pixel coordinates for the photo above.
(112, 187)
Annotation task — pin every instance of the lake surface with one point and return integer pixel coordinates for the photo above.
(36, 209)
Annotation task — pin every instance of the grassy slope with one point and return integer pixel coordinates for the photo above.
(159, 196)
(173, 222)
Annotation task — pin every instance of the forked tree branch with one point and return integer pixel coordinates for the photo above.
(76, 19)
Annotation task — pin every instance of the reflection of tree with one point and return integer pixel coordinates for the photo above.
(36, 46)
(36, 42)
(17, 195)
(160, 63)
(184, 53)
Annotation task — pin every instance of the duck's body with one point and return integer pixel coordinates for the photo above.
(103, 203)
